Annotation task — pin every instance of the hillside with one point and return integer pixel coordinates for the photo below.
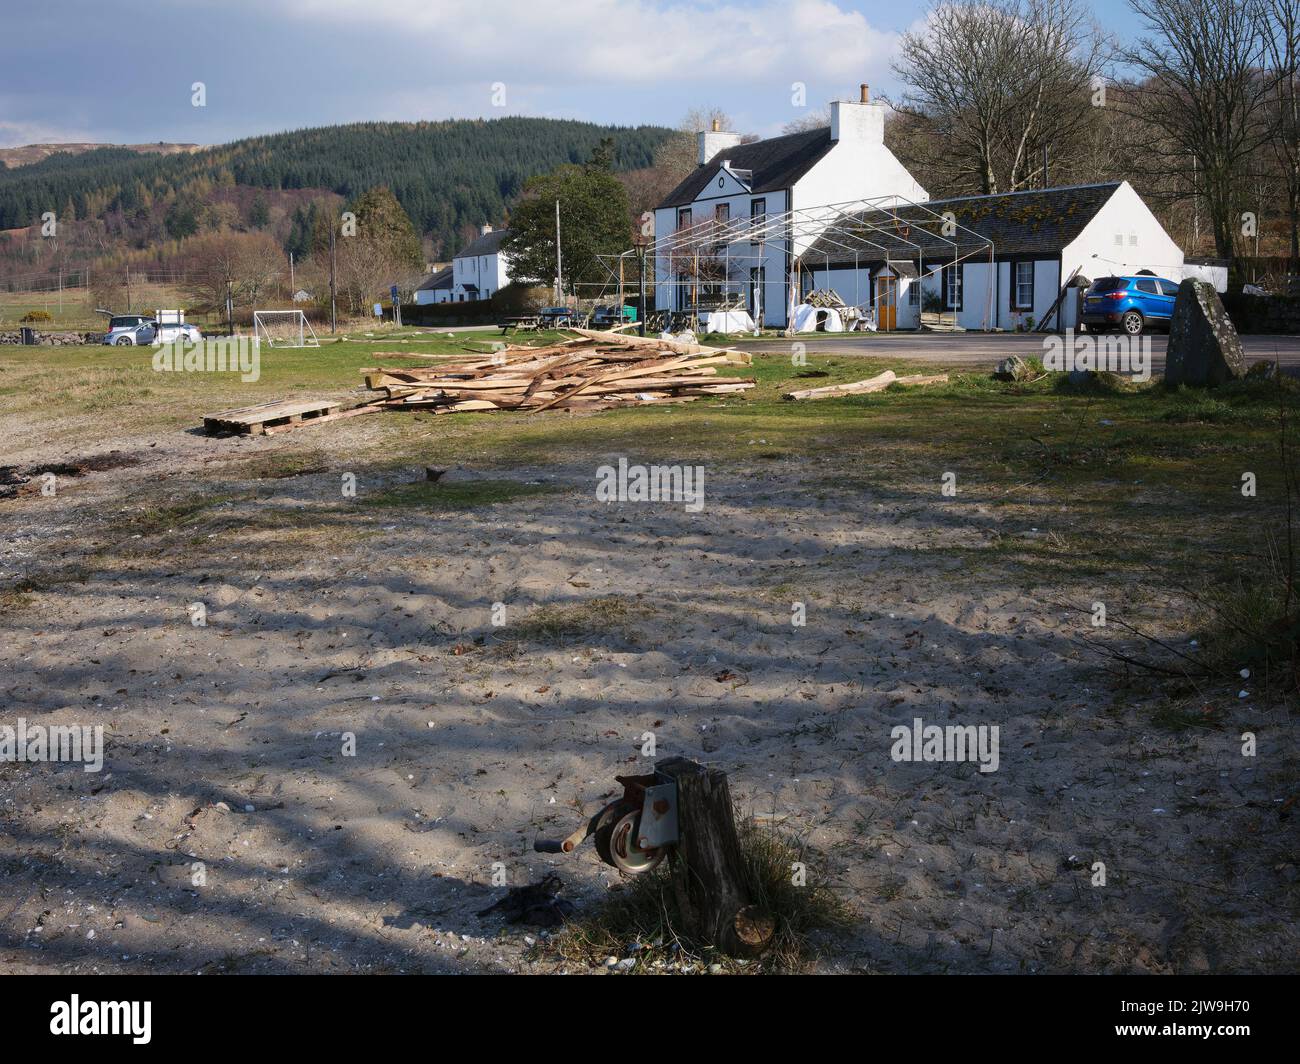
(27, 154)
(449, 176)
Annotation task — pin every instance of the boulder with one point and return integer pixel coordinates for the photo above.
(1203, 344)
(1014, 368)
(1263, 370)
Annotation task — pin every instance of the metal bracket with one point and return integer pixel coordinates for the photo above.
(658, 816)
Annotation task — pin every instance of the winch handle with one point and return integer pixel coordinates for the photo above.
(548, 845)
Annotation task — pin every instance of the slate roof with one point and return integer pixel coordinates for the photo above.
(487, 244)
(1038, 223)
(436, 280)
(774, 164)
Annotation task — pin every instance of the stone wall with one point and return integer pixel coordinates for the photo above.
(54, 338)
(1263, 314)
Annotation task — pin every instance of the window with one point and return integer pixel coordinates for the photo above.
(914, 292)
(1169, 288)
(722, 212)
(1146, 286)
(758, 211)
(952, 287)
(1022, 286)
(683, 218)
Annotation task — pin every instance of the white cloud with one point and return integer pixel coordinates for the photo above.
(13, 134)
(620, 42)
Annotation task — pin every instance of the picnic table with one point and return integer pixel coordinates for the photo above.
(525, 323)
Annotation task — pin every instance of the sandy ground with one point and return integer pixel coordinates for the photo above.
(225, 743)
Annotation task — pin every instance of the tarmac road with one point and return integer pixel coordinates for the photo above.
(987, 349)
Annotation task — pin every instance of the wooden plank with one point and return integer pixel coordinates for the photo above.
(872, 384)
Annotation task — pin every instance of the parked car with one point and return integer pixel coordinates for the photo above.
(122, 328)
(1129, 303)
(126, 330)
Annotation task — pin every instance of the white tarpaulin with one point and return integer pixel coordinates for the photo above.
(726, 321)
(817, 319)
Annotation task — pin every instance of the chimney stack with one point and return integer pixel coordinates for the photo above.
(712, 141)
(858, 121)
(484, 229)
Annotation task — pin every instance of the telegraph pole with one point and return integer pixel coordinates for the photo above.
(559, 274)
(333, 305)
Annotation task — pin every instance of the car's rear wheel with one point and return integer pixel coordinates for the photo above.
(1132, 323)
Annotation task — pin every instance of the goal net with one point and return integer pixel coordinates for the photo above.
(283, 328)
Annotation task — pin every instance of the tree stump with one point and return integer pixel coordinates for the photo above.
(707, 870)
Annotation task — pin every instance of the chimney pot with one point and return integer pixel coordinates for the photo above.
(866, 93)
(717, 126)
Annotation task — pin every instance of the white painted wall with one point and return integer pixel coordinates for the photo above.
(1122, 239)
(743, 256)
(489, 273)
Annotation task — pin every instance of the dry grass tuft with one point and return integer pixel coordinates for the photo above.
(642, 921)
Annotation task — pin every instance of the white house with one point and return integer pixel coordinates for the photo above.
(436, 288)
(478, 271)
(993, 261)
(735, 184)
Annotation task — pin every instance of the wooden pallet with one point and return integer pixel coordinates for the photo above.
(256, 420)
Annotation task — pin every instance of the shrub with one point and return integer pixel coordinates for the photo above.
(36, 315)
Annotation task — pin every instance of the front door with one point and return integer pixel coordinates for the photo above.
(886, 303)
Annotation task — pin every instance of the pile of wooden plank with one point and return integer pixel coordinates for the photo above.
(594, 371)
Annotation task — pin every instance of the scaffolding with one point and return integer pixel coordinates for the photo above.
(711, 263)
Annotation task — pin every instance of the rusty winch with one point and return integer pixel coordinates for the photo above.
(633, 832)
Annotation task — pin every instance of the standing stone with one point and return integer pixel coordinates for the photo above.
(1203, 344)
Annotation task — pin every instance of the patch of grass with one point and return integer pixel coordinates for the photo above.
(1179, 717)
(14, 601)
(281, 466)
(1252, 627)
(642, 921)
(599, 618)
(154, 519)
(456, 495)
(1204, 408)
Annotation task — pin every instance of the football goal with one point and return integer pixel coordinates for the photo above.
(283, 328)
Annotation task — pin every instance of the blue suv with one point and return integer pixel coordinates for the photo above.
(1129, 303)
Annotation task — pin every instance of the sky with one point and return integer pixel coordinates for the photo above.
(124, 71)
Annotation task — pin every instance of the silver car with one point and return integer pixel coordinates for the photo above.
(127, 330)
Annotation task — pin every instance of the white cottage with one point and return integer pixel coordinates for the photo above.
(479, 271)
(737, 185)
(995, 261)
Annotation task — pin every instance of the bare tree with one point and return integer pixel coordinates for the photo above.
(1206, 92)
(818, 119)
(990, 83)
(1282, 47)
(678, 155)
(244, 267)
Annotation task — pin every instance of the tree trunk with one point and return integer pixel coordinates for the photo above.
(708, 872)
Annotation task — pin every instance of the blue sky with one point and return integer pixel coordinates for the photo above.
(123, 71)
